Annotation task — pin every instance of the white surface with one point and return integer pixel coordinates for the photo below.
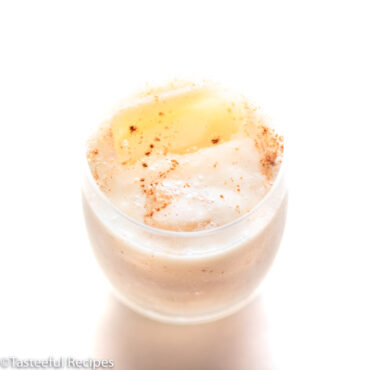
(63, 64)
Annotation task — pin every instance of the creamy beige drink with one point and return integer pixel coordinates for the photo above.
(185, 200)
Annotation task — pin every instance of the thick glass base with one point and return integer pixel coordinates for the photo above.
(184, 320)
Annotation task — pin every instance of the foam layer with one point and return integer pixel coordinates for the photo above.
(216, 181)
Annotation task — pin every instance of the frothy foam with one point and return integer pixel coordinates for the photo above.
(194, 189)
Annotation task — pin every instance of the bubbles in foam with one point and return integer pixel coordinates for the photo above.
(190, 190)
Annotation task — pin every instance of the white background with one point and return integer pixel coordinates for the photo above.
(63, 64)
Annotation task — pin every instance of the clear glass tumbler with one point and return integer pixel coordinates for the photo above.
(185, 277)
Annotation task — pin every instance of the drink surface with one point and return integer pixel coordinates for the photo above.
(185, 157)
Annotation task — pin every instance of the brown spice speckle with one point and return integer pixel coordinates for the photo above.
(270, 146)
(215, 140)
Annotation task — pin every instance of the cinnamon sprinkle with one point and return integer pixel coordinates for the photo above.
(156, 200)
(215, 140)
(133, 128)
(95, 174)
(269, 145)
